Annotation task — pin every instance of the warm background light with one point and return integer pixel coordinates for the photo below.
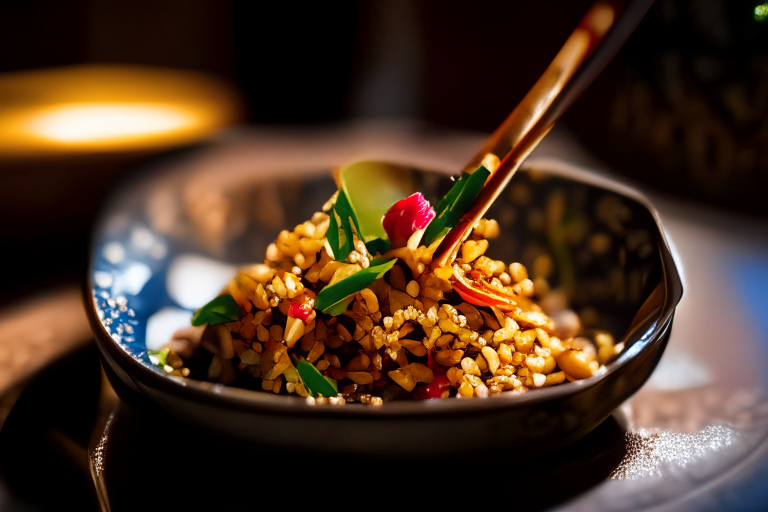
(107, 121)
(99, 108)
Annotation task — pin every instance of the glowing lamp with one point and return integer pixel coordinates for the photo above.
(101, 108)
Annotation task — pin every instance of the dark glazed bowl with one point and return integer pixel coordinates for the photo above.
(606, 241)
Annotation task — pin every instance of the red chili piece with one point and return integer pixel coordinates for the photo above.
(480, 294)
(434, 389)
(300, 311)
(406, 216)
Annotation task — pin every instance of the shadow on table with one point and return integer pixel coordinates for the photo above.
(156, 462)
(43, 440)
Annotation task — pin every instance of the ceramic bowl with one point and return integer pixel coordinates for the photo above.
(167, 243)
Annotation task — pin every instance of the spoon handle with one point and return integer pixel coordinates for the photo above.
(589, 48)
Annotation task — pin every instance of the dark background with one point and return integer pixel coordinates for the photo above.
(682, 108)
(309, 62)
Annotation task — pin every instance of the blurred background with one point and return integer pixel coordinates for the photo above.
(682, 108)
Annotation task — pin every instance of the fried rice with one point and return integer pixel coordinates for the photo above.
(471, 329)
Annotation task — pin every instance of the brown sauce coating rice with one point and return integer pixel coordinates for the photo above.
(408, 335)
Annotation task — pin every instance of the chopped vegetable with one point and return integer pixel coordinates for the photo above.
(455, 203)
(440, 387)
(337, 292)
(341, 228)
(378, 246)
(406, 216)
(339, 307)
(301, 310)
(220, 310)
(315, 382)
(481, 295)
(158, 357)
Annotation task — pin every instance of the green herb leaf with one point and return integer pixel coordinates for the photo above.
(339, 307)
(455, 203)
(315, 382)
(160, 355)
(340, 229)
(336, 293)
(378, 246)
(449, 198)
(333, 235)
(220, 310)
(372, 188)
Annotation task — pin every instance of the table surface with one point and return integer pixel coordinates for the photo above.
(695, 434)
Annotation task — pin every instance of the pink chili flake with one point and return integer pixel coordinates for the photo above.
(406, 216)
(302, 311)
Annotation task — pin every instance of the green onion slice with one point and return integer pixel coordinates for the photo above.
(220, 310)
(315, 382)
(377, 246)
(341, 228)
(455, 203)
(334, 294)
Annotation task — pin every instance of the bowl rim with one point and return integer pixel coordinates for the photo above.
(251, 401)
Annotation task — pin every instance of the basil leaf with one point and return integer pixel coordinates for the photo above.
(335, 293)
(340, 229)
(160, 355)
(455, 204)
(315, 382)
(220, 310)
(372, 188)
